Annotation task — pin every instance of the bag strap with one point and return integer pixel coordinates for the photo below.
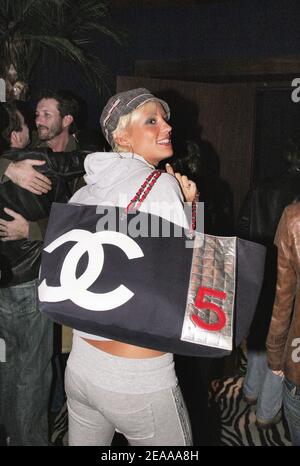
(144, 190)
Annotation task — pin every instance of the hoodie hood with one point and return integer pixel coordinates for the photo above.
(113, 179)
(107, 169)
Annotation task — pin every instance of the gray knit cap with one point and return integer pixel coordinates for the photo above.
(123, 103)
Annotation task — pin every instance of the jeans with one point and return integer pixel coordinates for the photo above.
(262, 384)
(291, 403)
(25, 375)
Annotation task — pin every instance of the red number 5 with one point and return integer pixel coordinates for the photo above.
(201, 304)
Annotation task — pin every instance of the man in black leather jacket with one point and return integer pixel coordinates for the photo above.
(258, 222)
(59, 169)
(25, 376)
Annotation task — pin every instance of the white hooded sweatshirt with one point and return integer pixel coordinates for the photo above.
(113, 179)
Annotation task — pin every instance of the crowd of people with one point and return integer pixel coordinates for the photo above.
(111, 385)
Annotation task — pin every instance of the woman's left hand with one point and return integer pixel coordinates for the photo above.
(188, 187)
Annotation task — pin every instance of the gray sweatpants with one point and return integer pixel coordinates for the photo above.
(138, 397)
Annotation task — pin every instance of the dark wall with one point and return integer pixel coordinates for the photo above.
(277, 120)
(217, 30)
(233, 28)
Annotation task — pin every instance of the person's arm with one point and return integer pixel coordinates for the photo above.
(20, 228)
(11, 230)
(188, 187)
(68, 165)
(284, 299)
(21, 172)
(24, 175)
(3, 166)
(36, 230)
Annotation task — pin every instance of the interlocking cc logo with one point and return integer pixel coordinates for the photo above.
(76, 288)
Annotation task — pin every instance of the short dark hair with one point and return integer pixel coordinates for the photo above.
(67, 104)
(9, 122)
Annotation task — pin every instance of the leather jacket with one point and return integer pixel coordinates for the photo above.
(258, 220)
(283, 342)
(20, 259)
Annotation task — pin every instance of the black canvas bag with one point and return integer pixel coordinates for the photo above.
(85, 262)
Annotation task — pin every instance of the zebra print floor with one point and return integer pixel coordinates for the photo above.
(59, 435)
(237, 419)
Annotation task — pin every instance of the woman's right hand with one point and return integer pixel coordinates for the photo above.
(188, 187)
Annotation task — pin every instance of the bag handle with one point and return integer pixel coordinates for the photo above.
(144, 190)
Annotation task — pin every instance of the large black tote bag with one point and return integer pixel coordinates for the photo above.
(140, 279)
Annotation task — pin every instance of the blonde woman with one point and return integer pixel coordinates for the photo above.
(114, 386)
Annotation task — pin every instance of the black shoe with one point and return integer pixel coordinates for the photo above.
(268, 423)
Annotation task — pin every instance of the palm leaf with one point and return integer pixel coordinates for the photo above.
(96, 72)
(28, 28)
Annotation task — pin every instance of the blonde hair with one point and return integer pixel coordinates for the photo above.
(124, 123)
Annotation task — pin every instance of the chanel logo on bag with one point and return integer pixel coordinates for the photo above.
(76, 288)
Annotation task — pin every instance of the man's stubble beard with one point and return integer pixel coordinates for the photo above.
(56, 130)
